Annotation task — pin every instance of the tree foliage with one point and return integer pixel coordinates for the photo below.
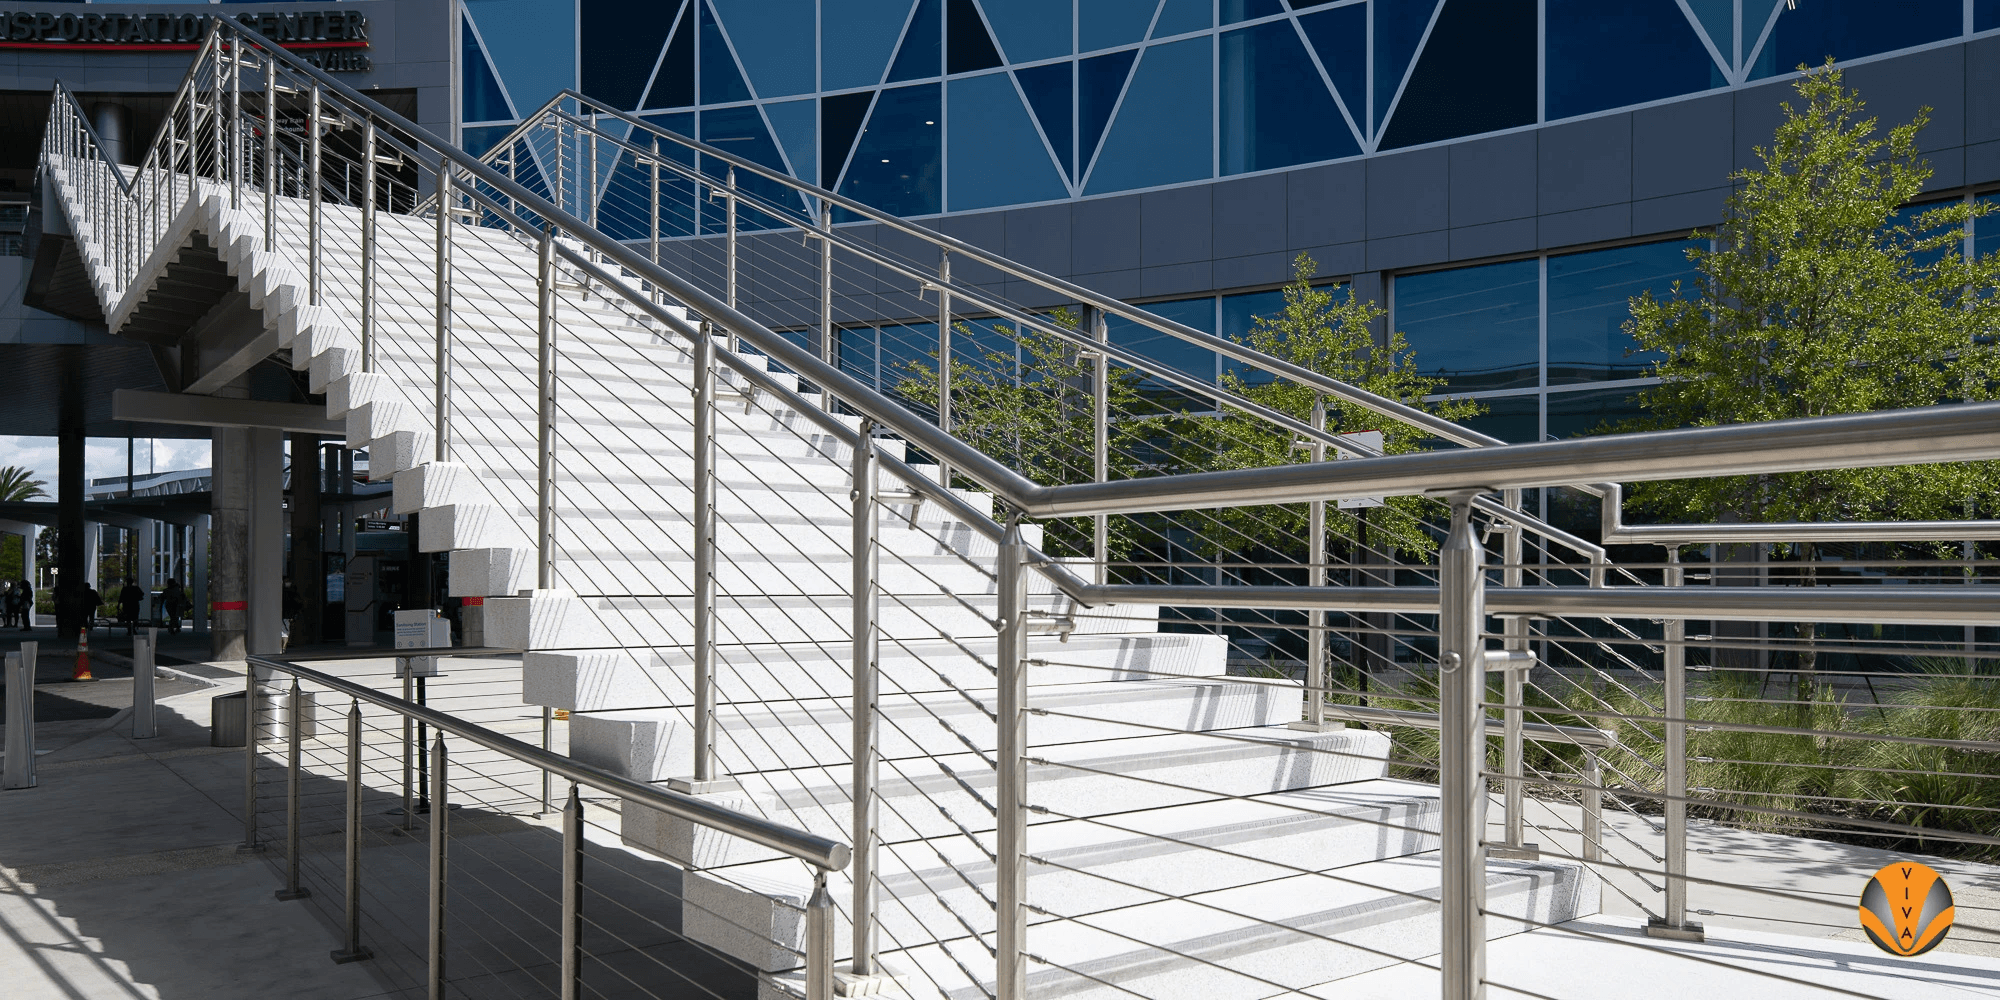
(1328, 331)
(1823, 294)
(17, 483)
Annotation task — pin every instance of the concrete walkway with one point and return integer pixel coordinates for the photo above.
(119, 876)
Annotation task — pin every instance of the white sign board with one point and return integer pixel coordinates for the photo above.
(1367, 444)
(421, 629)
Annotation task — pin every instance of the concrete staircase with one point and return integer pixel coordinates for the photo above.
(1186, 842)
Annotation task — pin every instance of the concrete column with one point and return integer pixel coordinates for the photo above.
(229, 542)
(72, 541)
(307, 572)
(29, 540)
(197, 581)
(112, 122)
(266, 556)
(146, 574)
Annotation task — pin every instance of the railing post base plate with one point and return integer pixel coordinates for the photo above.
(287, 895)
(1316, 727)
(847, 984)
(1690, 931)
(342, 956)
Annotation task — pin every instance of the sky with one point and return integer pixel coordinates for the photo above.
(104, 456)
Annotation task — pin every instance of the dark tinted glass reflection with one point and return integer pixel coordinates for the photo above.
(1477, 327)
(1590, 299)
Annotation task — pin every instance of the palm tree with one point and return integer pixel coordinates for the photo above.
(15, 484)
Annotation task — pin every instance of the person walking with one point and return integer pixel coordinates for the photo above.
(8, 603)
(25, 592)
(173, 603)
(129, 599)
(93, 602)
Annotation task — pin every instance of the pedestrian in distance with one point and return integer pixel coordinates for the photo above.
(25, 592)
(129, 599)
(173, 604)
(8, 602)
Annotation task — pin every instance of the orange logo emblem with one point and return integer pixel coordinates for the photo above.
(1907, 909)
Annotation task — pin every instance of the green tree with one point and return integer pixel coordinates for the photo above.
(1326, 330)
(1823, 295)
(17, 483)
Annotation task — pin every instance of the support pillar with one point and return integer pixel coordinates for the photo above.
(144, 571)
(197, 582)
(265, 558)
(71, 543)
(307, 573)
(229, 538)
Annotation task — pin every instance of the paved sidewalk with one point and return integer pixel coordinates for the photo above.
(119, 876)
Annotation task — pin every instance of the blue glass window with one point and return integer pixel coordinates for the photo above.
(997, 158)
(720, 80)
(534, 53)
(677, 198)
(1246, 10)
(1477, 327)
(1170, 351)
(1340, 37)
(1162, 133)
(1276, 111)
(793, 122)
(968, 48)
(979, 345)
(741, 131)
(1908, 215)
(673, 86)
(1101, 24)
(857, 353)
(1239, 317)
(625, 208)
(1985, 15)
(906, 349)
(774, 40)
(897, 161)
(1031, 29)
(840, 121)
(1590, 298)
(624, 38)
(478, 140)
(1399, 27)
(920, 55)
(1099, 82)
(1846, 29)
(1178, 17)
(1986, 231)
(855, 47)
(1476, 74)
(1611, 55)
(1718, 18)
(484, 101)
(1573, 414)
(1048, 92)
(1513, 419)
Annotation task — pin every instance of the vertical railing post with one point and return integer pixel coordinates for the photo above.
(1010, 890)
(440, 823)
(1316, 575)
(729, 246)
(1673, 922)
(410, 739)
(1462, 752)
(237, 149)
(314, 148)
(867, 685)
(354, 951)
(368, 245)
(271, 152)
(444, 207)
(819, 940)
(572, 896)
(250, 843)
(548, 734)
(293, 734)
(545, 506)
(215, 112)
(1100, 446)
(829, 344)
(1593, 805)
(704, 554)
(653, 202)
(944, 357)
(1514, 716)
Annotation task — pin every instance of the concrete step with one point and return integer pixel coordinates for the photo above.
(943, 888)
(659, 678)
(654, 744)
(952, 795)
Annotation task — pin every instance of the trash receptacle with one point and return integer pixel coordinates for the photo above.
(225, 721)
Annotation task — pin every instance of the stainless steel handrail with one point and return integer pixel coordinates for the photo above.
(820, 852)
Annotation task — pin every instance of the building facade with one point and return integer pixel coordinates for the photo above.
(1502, 175)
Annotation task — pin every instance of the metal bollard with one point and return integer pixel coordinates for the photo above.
(250, 844)
(20, 769)
(292, 889)
(145, 721)
(440, 820)
(354, 952)
(572, 896)
(1462, 756)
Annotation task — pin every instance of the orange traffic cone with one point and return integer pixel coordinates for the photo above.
(82, 656)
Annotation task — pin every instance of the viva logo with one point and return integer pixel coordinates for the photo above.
(1907, 909)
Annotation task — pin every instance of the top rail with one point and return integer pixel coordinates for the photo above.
(811, 848)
